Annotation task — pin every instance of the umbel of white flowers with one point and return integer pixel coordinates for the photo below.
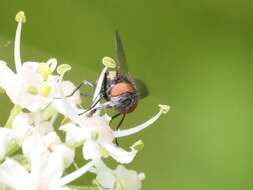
(33, 156)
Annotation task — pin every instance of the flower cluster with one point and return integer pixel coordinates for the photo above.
(33, 155)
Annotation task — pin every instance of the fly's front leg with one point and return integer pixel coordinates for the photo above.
(84, 82)
(92, 106)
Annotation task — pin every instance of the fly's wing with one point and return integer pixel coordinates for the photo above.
(122, 68)
(141, 88)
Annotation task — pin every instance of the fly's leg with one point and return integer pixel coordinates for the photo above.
(93, 110)
(115, 116)
(92, 106)
(84, 82)
(118, 127)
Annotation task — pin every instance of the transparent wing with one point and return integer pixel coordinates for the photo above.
(120, 55)
(122, 68)
(141, 88)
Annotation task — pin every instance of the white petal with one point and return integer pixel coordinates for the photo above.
(74, 134)
(52, 139)
(33, 147)
(7, 76)
(128, 178)
(6, 137)
(49, 166)
(2, 150)
(106, 179)
(120, 154)
(68, 88)
(16, 86)
(21, 127)
(14, 175)
(42, 128)
(91, 150)
(30, 66)
(67, 154)
(68, 109)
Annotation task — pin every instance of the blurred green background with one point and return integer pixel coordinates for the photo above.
(196, 56)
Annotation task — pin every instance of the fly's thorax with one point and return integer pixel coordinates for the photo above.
(112, 75)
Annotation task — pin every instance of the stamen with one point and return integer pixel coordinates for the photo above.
(76, 174)
(99, 85)
(139, 145)
(52, 63)
(61, 69)
(109, 62)
(123, 133)
(20, 18)
(142, 176)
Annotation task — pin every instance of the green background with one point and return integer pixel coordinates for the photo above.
(194, 55)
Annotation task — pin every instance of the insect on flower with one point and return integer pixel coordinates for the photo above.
(119, 89)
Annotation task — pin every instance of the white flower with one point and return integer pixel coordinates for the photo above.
(43, 176)
(30, 124)
(46, 174)
(118, 179)
(36, 146)
(98, 137)
(33, 85)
